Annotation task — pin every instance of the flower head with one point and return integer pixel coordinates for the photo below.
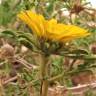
(51, 29)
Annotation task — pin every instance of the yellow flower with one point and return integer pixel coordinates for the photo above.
(51, 29)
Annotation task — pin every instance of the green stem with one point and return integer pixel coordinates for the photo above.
(1, 89)
(43, 75)
(44, 87)
(56, 77)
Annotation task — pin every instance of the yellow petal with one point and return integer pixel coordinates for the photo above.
(38, 20)
(50, 29)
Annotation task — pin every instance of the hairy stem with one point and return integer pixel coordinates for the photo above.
(43, 75)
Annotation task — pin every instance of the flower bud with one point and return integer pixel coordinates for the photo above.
(93, 48)
(6, 51)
